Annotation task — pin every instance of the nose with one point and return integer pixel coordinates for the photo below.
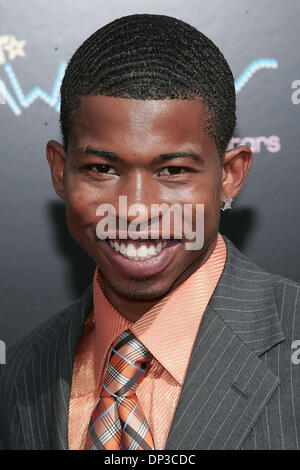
(138, 193)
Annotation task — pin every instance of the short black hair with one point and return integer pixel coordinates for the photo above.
(145, 56)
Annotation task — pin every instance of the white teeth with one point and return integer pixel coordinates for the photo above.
(142, 252)
(131, 251)
(151, 250)
(122, 247)
(139, 253)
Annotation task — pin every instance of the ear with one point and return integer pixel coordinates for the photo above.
(56, 156)
(236, 165)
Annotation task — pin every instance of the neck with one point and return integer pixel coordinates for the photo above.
(133, 309)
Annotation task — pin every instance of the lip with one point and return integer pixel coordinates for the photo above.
(143, 268)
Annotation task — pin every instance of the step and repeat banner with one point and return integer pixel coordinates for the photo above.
(42, 269)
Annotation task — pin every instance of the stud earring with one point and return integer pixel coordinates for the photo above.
(227, 204)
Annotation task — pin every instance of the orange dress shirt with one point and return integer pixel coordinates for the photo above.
(168, 330)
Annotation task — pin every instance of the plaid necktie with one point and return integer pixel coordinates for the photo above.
(117, 422)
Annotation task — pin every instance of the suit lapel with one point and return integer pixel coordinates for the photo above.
(228, 384)
(43, 388)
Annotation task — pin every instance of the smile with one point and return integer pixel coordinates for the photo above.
(137, 250)
(140, 258)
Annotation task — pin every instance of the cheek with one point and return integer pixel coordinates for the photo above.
(212, 207)
(81, 205)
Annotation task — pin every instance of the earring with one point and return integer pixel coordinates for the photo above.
(227, 204)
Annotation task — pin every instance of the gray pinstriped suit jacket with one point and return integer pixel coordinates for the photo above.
(242, 390)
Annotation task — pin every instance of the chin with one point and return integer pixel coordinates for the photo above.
(145, 290)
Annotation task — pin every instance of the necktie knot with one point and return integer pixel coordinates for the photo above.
(128, 365)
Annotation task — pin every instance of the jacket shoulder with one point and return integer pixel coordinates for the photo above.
(240, 261)
(42, 338)
(251, 277)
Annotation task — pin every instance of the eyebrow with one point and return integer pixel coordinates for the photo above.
(113, 157)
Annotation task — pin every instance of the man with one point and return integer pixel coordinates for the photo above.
(169, 348)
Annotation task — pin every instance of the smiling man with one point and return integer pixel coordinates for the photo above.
(170, 347)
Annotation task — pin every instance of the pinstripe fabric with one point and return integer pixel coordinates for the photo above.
(241, 391)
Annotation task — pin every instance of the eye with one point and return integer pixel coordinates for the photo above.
(174, 170)
(102, 168)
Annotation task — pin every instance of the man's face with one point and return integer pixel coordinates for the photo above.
(138, 133)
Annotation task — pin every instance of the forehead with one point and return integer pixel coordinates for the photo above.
(125, 121)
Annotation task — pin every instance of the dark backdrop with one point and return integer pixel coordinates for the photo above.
(42, 269)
